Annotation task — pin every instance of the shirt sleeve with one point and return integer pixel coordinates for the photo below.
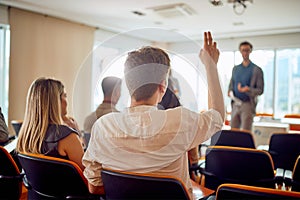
(92, 171)
(209, 122)
(3, 129)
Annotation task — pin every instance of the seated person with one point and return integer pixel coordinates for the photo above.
(43, 131)
(111, 88)
(68, 120)
(3, 129)
(144, 139)
(170, 100)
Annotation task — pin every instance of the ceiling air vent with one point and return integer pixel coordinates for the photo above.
(173, 10)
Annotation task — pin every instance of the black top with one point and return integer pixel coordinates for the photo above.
(54, 134)
(169, 100)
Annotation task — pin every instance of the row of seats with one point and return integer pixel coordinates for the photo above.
(232, 158)
(48, 177)
(53, 178)
(237, 192)
(225, 164)
(42, 186)
(283, 147)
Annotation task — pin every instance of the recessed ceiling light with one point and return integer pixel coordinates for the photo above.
(158, 23)
(238, 23)
(138, 13)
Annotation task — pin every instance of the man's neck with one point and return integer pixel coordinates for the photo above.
(108, 101)
(149, 102)
(246, 63)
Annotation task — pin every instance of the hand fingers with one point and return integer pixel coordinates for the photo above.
(205, 45)
(215, 45)
(208, 41)
(209, 38)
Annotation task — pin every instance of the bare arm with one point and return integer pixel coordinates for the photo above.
(209, 56)
(71, 147)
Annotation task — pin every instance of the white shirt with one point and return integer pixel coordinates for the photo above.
(144, 139)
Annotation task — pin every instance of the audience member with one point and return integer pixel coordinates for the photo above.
(111, 88)
(246, 84)
(43, 131)
(144, 139)
(68, 120)
(170, 100)
(3, 129)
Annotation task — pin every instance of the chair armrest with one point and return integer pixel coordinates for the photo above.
(89, 197)
(26, 183)
(279, 177)
(288, 176)
(20, 176)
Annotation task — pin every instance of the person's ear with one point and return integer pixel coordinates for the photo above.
(163, 86)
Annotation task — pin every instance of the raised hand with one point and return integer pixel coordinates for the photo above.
(209, 54)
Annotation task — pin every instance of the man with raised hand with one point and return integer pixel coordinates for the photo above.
(144, 139)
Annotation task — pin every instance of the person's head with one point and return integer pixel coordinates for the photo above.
(245, 49)
(43, 107)
(111, 87)
(145, 70)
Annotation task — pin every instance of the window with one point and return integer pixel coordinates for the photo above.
(4, 67)
(281, 75)
(287, 76)
(182, 69)
(225, 65)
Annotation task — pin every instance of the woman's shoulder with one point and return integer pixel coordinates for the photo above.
(57, 132)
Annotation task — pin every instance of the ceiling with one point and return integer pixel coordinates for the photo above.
(190, 18)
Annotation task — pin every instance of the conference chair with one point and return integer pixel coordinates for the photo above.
(238, 192)
(129, 185)
(294, 127)
(10, 176)
(16, 124)
(262, 114)
(233, 137)
(296, 176)
(284, 149)
(53, 178)
(224, 164)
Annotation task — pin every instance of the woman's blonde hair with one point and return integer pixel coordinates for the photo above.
(43, 107)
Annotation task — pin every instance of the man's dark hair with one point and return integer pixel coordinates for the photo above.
(246, 43)
(144, 70)
(109, 84)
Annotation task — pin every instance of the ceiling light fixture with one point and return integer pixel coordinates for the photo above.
(216, 2)
(239, 6)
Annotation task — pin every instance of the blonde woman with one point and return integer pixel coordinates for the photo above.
(43, 131)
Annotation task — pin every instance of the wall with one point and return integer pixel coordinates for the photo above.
(288, 40)
(46, 46)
